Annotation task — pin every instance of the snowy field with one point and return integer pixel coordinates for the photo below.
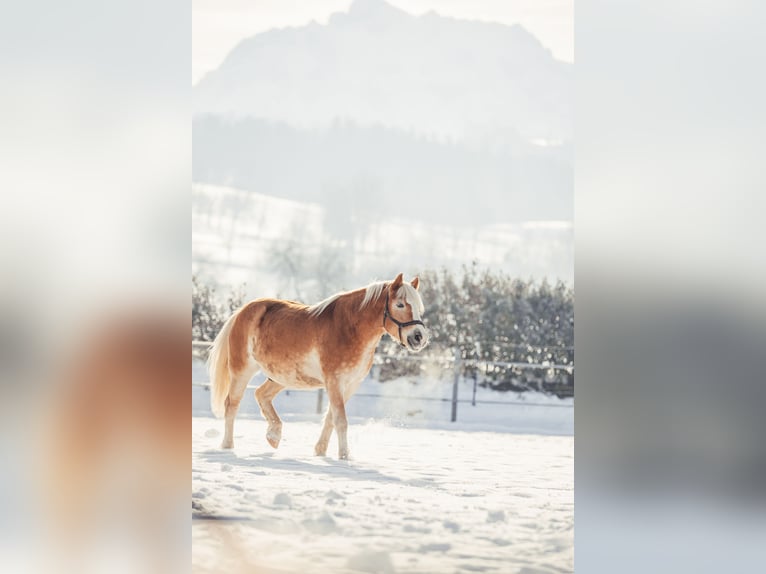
(409, 500)
(492, 492)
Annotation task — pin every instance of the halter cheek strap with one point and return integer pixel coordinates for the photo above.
(400, 324)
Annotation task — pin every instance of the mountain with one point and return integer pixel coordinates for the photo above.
(378, 65)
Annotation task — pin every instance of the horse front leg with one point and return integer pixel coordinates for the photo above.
(265, 395)
(321, 447)
(339, 421)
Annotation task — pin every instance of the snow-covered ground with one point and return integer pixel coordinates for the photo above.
(408, 500)
(492, 492)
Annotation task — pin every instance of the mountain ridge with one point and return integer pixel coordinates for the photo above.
(379, 64)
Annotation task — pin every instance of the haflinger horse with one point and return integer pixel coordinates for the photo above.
(329, 345)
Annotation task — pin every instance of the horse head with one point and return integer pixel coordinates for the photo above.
(403, 312)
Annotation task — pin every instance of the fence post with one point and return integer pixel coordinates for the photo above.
(458, 366)
(473, 400)
(320, 395)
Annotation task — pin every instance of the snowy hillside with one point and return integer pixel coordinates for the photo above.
(240, 236)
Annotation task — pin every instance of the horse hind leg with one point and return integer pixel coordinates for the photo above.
(265, 395)
(236, 392)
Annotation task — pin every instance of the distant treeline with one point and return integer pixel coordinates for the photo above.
(482, 316)
(400, 173)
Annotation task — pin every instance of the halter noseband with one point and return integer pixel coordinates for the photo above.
(387, 315)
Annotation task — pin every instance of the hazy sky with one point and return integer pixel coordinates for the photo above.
(218, 25)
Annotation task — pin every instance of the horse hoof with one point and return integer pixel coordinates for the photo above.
(343, 456)
(273, 439)
(320, 452)
(227, 444)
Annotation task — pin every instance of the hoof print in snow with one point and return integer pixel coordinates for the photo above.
(283, 499)
(332, 496)
(438, 547)
(453, 526)
(377, 562)
(324, 524)
(497, 516)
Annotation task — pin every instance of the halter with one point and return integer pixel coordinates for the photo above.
(387, 315)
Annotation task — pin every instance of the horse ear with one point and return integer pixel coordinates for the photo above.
(415, 282)
(397, 282)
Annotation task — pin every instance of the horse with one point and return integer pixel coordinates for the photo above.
(328, 345)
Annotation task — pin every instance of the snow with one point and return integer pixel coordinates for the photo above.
(408, 500)
(492, 492)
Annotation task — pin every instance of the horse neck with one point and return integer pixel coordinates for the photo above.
(368, 320)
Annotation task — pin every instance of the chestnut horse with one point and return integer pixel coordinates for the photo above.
(330, 345)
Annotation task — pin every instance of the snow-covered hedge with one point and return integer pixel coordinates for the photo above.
(485, 316)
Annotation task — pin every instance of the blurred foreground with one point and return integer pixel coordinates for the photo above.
(94, 299)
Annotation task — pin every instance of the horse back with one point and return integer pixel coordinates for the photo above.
(271, 330)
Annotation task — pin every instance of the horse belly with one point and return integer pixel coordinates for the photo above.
(301, 380)
(303, 374)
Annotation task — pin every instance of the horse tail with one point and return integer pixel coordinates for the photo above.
(218, 368)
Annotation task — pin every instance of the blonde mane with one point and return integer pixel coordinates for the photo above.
(371, 293)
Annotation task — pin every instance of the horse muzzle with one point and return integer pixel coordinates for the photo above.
(417, 340)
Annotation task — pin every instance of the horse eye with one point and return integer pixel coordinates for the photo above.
(400, 305)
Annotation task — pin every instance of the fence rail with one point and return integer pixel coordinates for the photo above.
(451, 360)
(456, 363)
